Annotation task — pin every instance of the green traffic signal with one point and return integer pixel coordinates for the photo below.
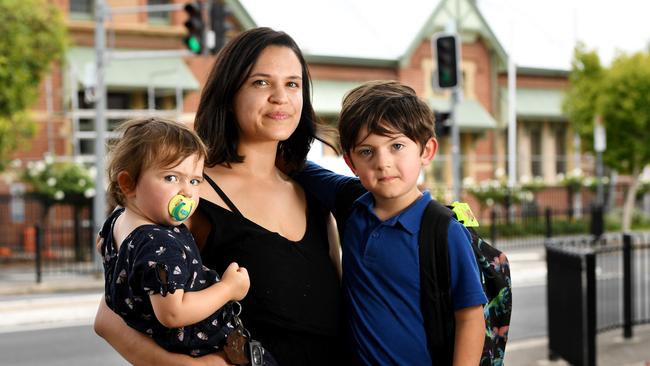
(195, 27)
(447, 60)
(193, 44)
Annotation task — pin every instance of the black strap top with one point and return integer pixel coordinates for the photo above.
(293, 283)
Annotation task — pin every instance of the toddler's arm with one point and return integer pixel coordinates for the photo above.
(184, 308)
(470, 335)
(139, 349)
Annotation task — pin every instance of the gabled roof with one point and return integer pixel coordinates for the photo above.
(540, 34)
(472, 22)
(351, 29)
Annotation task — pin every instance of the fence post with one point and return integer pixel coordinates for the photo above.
(589, 303)
(549, 224)
(493, 227)
(39, 253)
(627, 285)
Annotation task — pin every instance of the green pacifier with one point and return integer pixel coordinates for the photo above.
(180, 207)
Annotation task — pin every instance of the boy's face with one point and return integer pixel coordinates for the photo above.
(389, 166)
(157, 186)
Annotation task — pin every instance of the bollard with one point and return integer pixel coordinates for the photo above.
(627, 286)
(549, 225)
(39, 250)
(597, 225)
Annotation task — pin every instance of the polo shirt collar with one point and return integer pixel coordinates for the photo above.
(409, 219)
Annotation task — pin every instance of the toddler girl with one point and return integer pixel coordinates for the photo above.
(154, 276)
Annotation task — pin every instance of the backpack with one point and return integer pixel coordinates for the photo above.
(435, 290)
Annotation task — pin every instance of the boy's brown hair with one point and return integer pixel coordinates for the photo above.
(146, 143)
(385, 107)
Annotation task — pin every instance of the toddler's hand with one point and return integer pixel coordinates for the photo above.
(236, 278)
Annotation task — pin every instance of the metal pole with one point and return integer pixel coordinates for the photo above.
(589, 308)
(49, 112)
(99, 203)
(455, 145)
(39, 253)
(627, 286)
(512, 122)
(600, 192)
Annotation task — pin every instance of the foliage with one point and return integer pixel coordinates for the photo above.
(644, 187)
(536, 228)
(572, 180)
(33, 36)
(532, 185)
(59, 180)
(620, 95)
(592, 182)
(491, 192)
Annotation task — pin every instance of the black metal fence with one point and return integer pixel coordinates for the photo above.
(48, 237)
(595, 286)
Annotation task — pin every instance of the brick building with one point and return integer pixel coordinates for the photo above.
(171, 86)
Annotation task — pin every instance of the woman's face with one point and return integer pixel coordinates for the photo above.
(269, 103)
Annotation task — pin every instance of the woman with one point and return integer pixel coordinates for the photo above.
(255, 110)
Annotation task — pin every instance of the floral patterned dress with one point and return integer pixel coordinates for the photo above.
(156, 259)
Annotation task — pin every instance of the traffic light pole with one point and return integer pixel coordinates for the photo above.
(102, 12)
(455, 144)
(99, 201)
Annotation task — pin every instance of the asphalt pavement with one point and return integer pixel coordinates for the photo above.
(66, 299)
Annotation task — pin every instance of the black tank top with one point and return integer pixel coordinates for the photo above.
(294, 285)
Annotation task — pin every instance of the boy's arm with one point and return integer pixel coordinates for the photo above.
(468, 297)
(470, 335)
(184, 308)
(138, 349)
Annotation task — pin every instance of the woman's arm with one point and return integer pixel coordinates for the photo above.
(139, 349)
(184, 308)
(470, 335)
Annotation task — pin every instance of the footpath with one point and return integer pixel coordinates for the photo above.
(72, 299)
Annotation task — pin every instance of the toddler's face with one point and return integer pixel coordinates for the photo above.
(157, 186)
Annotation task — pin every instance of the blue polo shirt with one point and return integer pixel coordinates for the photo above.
(381, 276)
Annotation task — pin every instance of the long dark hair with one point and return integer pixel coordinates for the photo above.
(215, 121)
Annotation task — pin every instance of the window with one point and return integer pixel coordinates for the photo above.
(82, 9)
(560, 150)
(114, 100)
(536, 151)
(159, 17)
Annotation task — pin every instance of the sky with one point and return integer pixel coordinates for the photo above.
(537, 33)
(554, 26)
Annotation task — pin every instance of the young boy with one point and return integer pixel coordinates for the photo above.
(387, 136)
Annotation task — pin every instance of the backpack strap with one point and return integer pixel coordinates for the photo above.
(435, 278)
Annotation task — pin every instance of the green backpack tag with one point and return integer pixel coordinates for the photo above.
(464, 214)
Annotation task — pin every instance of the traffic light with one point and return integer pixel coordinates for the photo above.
(217, 25)
(195, 27)
(447, 57)
(442, 126)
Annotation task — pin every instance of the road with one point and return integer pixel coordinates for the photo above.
(63, 343)
(60, 346)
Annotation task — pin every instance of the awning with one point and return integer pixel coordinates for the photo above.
(470, 114)
(536, 104)
(539, 104)
(161, 73)
(328, 95)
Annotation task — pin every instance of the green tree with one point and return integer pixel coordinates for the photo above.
(33, 36)
(620, 94)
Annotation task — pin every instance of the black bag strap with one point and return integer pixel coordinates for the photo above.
(435, 288)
